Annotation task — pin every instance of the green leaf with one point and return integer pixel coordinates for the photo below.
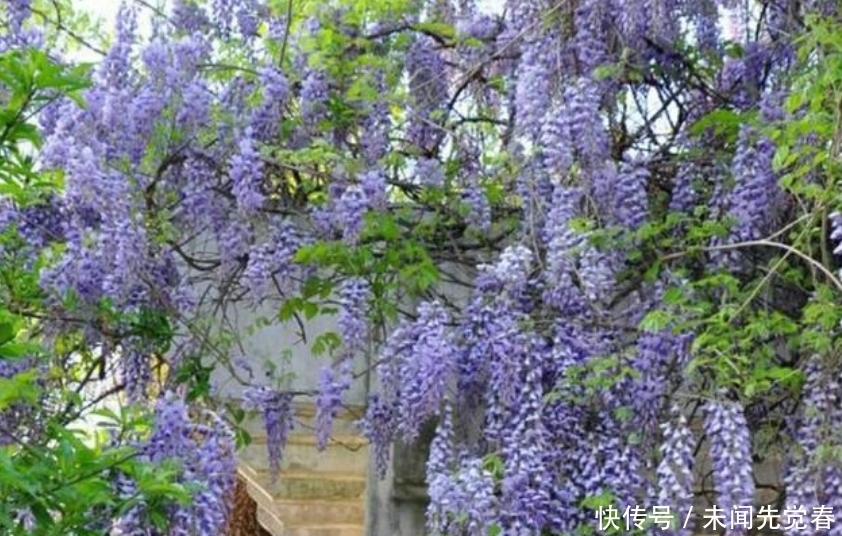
(436, 28)
(602, 500)
(673, 296)
(722, 121)
(7, 332)
(326, 343)
(656, 320)
(20, 388)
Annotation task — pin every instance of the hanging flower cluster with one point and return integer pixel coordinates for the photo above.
(354, 164)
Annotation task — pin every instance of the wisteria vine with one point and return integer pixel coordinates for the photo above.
(633, 200)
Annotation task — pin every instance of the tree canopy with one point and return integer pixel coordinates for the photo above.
(638, 199)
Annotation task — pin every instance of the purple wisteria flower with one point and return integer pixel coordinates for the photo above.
(631, 204)
(811, 479)
(478, 26)
(271, 262)
(136, 369)
(429, 172)
(353, 326)
(380, 425)
(755, 196)
(730, 451)
(479, 209)
(461, 489)
(314, 96)
(425, 368)
(189, 17)
(352, 206)
(278, 417)
(675, 471)
(532, 97)
(247, 175)
(428, 91)
(266, 118)
(333, 383)
(836, 232)
(205, 450)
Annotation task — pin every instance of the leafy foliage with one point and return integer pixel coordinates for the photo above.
(568, 230)
(55, 479)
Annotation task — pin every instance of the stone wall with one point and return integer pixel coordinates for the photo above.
(282, 345)
(397, 503)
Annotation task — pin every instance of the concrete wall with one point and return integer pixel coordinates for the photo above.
(397, 504)
(282, 345)
(250, 334)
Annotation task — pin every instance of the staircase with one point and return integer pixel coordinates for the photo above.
(316, 493)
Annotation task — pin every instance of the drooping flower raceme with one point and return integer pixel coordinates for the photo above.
(353, 328)
(379, 425)
(275, 407)
(246, 176)
(314, 95)
(730, 450)
(754, 198)
(428, 90)
(333, 383)
(425, 368)
(270, 262)
(675, 471)
(810, 479)
(461, 489)
(266, 119)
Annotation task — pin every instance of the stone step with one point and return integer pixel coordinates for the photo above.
(348, 455)
(310, 486)
(270, 521)
(256, 491)
(318, 493)
(314, 512)
(325, 530)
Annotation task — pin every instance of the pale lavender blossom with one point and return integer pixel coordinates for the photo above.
(247, 175)
(278, 417)
(675, 471)
(731, 455)
(352, 207)
(332, 386)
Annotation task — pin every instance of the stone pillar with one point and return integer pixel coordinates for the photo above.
(397, 504)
